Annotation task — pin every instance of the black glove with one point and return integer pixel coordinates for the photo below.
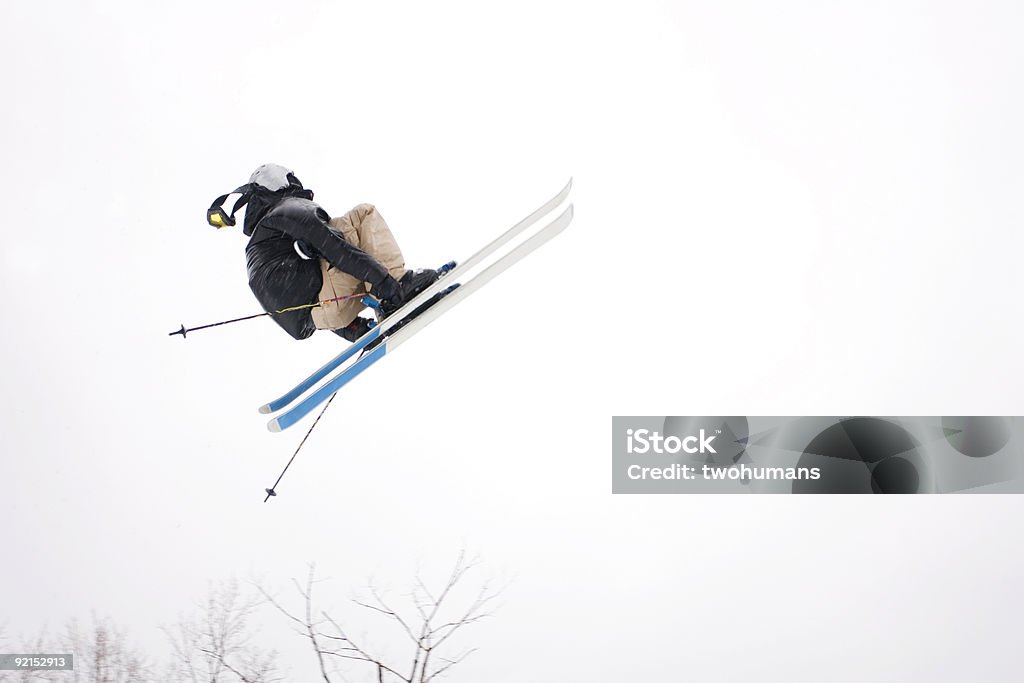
(388, 290)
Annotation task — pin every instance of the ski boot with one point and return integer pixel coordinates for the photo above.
(416, 312)
(412, 283)
(412, 316)
(355, 329)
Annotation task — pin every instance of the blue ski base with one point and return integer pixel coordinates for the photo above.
(323, 393)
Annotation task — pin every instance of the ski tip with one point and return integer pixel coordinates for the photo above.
(265, 409)
(565, 192)
(564, 219)
(274, 426)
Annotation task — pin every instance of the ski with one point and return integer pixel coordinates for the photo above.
(403, 334)
(414, 303)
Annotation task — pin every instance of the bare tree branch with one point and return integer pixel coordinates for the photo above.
(359, 653)
(218, 644)
(308, 627)
(448, 663)
(433, 624)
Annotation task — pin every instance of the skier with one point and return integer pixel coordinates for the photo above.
(297, 254)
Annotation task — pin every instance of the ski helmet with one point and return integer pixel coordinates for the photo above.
(273, 177)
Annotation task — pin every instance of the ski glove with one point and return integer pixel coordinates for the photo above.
(388, 290)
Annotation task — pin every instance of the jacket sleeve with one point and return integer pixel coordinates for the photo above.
(308, 222)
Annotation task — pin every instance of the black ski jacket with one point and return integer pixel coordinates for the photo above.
(278, 276)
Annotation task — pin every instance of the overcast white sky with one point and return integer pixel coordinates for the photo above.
(781, 208)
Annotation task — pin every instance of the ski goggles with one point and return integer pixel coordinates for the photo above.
(218, 217)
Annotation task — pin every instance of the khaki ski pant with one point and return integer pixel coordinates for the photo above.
(362, 227)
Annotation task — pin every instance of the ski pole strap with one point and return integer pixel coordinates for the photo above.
(319, 303)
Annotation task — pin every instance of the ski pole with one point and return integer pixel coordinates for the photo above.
(272, 491)
(367, 301)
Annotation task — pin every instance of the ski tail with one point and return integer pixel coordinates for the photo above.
(287, 419)
(325, 370)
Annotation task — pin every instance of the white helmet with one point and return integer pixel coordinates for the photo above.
(273, 177)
